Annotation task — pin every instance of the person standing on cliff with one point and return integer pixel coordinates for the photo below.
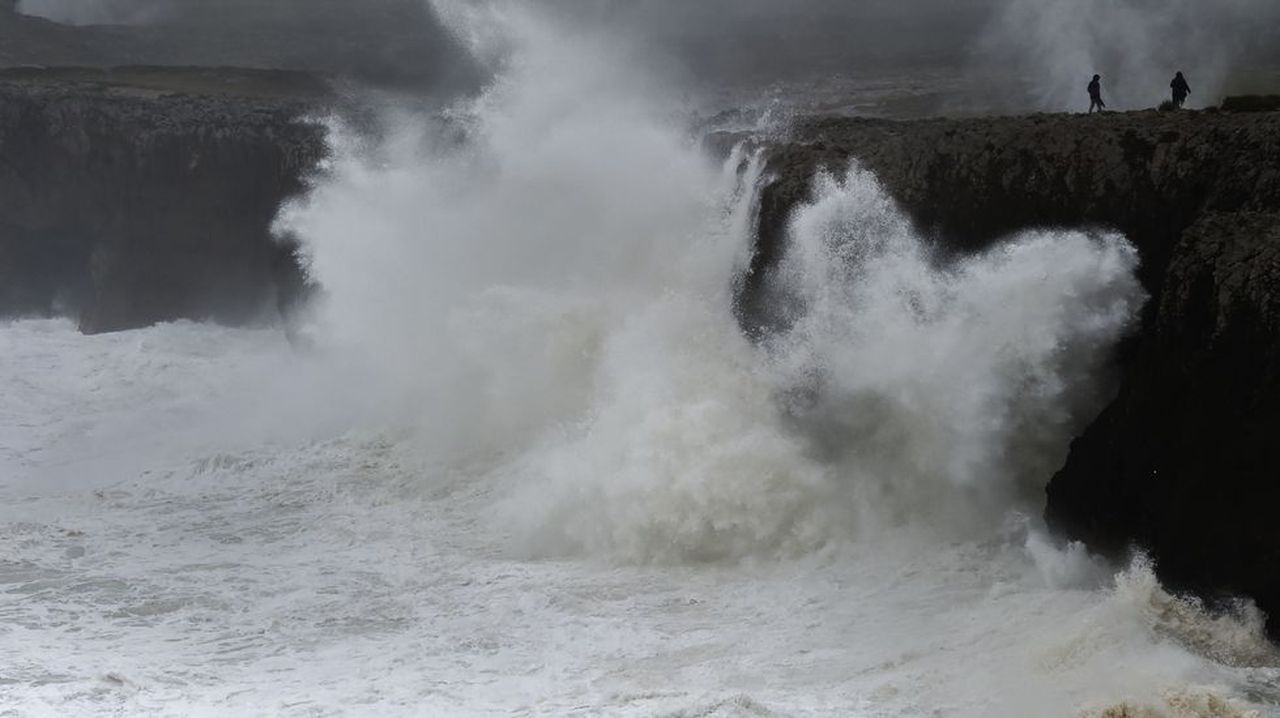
(1095, 95)
(1180, 90)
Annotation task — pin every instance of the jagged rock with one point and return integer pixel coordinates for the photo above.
(1184, 462)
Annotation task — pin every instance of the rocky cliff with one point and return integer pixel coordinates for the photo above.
(1184, 463)
(128, 203)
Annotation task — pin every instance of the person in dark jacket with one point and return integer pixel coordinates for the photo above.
(1180, 90)
(1095, 94)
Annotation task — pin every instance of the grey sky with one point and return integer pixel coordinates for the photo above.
(1051, 44)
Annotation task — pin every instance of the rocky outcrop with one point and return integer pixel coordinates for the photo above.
(129, 205)
(1184, 462)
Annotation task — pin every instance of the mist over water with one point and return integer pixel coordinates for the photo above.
(82, 12)
(534, 464)
(872, 56)
(558, 289)
(954, 387)
(562, 282)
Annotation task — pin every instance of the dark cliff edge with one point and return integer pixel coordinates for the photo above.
(135, 196)
(1185, 462)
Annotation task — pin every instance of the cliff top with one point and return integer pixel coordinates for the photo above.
(973, 180)
(1229, 155)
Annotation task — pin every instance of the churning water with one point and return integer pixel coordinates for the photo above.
(534, 467)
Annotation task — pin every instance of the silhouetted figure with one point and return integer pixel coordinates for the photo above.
(1180, 90)
(1095, 94)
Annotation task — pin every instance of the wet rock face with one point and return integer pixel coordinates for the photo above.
(1184, 462)
(130, 208)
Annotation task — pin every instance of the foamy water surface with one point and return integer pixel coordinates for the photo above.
(526, 461)
(344, 575)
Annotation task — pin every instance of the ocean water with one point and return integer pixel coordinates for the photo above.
(525, 462)
(175, 545)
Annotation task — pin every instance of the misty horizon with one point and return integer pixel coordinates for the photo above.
(1016, 54)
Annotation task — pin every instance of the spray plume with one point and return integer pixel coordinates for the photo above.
(1136, 45)
(555, 294)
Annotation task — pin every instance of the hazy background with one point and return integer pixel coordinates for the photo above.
(996, 54)
(1136, 45)
(385, 41)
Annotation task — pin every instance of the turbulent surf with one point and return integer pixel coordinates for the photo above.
(533, 464)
